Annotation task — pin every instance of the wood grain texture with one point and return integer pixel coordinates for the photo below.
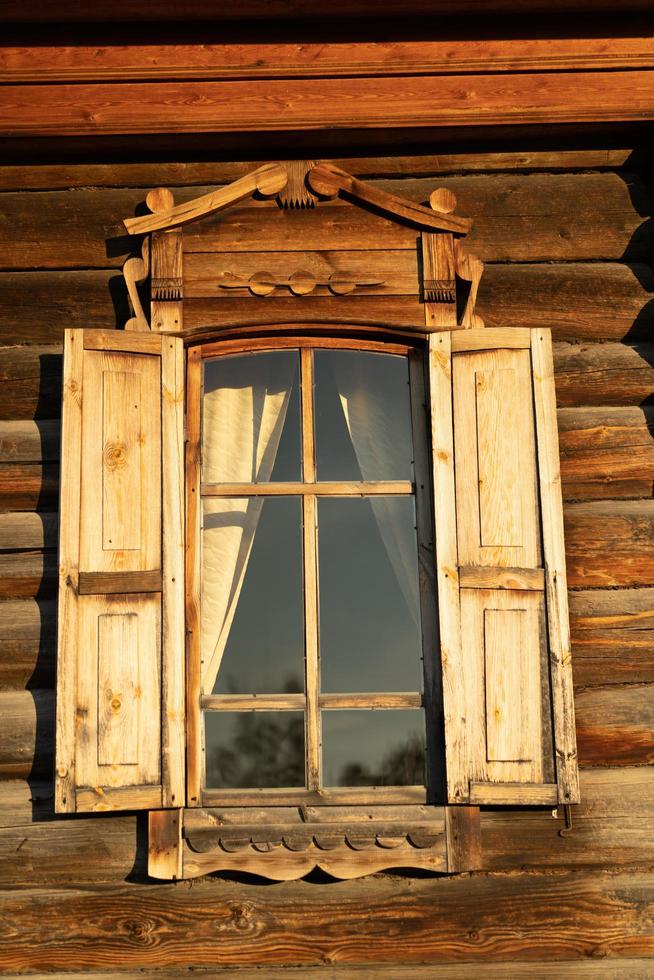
(143, 173)
(609, 544)
(617, 733)
(613, 968)
(604, 374)
(519, 918)
(28, 644)
(276, 105)
(612, 636)
(30, 385)
(151, 62)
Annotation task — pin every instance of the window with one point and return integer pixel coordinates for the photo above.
(311, 572)
(314, 660)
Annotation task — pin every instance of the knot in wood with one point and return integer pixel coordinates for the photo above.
(115, 455)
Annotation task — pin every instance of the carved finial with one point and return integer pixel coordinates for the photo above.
(160, 199)
(296, 194)
(443, 201)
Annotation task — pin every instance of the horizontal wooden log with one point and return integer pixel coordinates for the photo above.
(613, 826)
(38, 849)
(28, 442)
(615, 725)
(597, 969)
(26, 734)
(62, 176)
(612, 636)
(30, 386)
(25, 530)
(535, 217)
(459, 920)
(590, 301)
(606, 452)
(275, 105)
(28, 485)
(137, 62)
(28, 574)
(604, 374)
(27, 645)
(609, 543)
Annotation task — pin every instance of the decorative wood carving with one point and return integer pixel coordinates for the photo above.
(136, 270)
(267, 180)
(296, 194)
(329, 181)
(450, 276)
(166, 282)
(299, 283)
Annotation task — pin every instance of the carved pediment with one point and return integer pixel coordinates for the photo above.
(440, 279)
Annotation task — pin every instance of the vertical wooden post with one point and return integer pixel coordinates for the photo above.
(165, 844)
(166, 248)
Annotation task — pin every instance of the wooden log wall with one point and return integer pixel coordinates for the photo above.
(567, 236)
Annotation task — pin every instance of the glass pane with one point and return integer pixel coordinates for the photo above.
(251, 418)
(254, 749)
(370, 631)
(363, 416)
(252, 599)
(373, 748)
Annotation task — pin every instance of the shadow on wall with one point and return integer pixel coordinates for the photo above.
(636, 172)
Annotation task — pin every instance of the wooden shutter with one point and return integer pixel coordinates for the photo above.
(120, 668)
(502, 595)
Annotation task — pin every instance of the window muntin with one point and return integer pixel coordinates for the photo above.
(371, 686)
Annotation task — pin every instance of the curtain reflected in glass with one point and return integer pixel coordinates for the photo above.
(251, 428)
(370, 633)
(363, 416)
(252, 599)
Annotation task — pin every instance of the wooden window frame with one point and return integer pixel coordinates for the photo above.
(309, 490)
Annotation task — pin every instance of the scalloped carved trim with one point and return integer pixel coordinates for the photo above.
(280, 864)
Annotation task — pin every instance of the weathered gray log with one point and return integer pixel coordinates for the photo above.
(55, 176)
(26, 734)
(30, 382)
(612, 636)
(609, 543)
(604, 374)
(28, 641)
(606, 453)
(518, 218)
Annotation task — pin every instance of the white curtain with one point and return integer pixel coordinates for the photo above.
(379, 436)
(242, 426)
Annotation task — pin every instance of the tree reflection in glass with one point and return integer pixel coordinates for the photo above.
(254, 749)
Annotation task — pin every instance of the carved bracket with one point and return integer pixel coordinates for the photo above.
(450, 277)
(136, 270)
(299, 283)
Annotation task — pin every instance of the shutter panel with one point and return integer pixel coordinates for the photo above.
(502, 595)
(120, 666)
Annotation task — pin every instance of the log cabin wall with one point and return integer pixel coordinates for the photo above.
(564, 227)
